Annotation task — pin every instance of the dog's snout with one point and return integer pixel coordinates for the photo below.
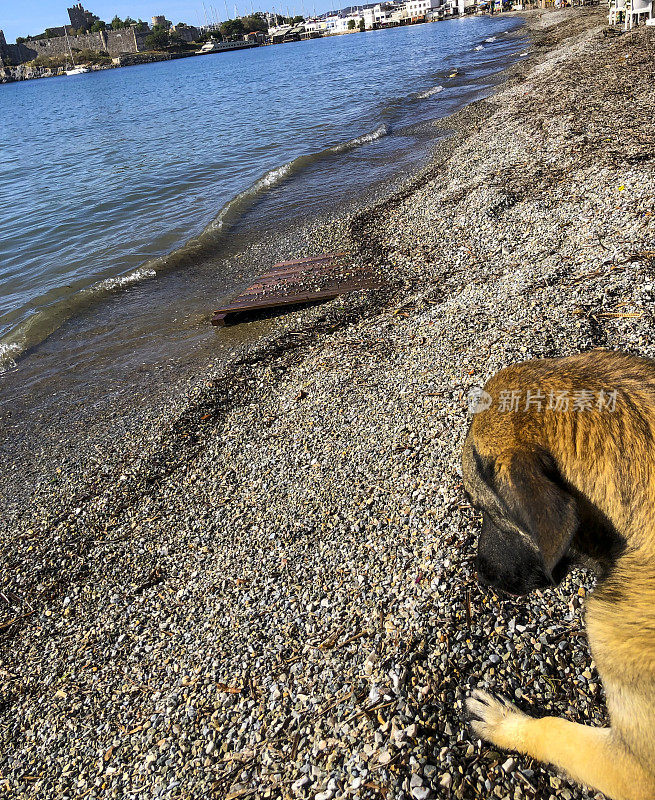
(507, 563)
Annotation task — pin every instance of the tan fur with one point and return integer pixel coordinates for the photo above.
(608, 460)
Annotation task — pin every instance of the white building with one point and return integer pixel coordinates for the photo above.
(339, 23)
(411, 10)
(420, 8)
(378, 16)
(317, 25)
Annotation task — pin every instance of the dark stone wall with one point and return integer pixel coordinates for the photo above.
(13, 54)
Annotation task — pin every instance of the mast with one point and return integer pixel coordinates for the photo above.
(70, 49)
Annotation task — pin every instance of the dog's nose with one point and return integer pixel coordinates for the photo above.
(485, 573)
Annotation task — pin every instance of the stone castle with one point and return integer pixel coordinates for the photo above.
(125, 40)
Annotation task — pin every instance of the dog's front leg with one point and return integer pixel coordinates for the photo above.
(590, 756)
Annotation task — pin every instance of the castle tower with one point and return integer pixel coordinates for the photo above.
(80, 18)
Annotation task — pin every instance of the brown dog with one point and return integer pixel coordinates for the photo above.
(562, 465)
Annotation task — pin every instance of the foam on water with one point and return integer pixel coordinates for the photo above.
(378, 133)
(8, 355)
(429, 92)
(111, 284)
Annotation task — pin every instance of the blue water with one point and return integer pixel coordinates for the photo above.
(105, 177)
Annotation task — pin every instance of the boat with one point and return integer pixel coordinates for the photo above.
(214, 46)
(76, 70)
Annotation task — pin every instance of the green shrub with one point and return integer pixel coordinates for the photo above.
(232, 27)
(93, 57)
(50, 62)
(159, 40)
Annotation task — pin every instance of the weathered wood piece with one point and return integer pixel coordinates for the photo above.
(305, 280)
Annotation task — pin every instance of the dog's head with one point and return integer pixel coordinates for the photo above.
(529, 517)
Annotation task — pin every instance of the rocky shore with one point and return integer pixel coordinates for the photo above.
(273, 594)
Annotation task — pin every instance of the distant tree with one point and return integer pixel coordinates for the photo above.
(351, 24)
(20, 40)
(117, 23)
(98, 26)
(141, 26)
(175, 41)
(362, 24)
(157, 40)
(128, 22)
(297, 20)
(50, 33)
(232, 27)
(254, 23)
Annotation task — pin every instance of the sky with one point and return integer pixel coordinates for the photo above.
(30, 17)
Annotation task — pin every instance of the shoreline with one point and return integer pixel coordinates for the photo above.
(274, 596)
(33, 413)
(154, 56)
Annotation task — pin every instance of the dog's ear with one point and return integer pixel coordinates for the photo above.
(537, 500)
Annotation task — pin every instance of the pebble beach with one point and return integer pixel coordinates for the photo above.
(268, 590)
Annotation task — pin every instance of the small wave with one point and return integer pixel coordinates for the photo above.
(235, 208)
(109, 284)
(491, 39)
(46, 320)
(479, 47)
(429, 92)
(358, 141)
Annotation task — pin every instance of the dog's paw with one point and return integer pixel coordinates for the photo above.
(496, 720)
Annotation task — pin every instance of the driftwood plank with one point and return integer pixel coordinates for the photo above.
(295, 282)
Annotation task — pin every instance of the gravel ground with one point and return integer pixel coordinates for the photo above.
(275, 595)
